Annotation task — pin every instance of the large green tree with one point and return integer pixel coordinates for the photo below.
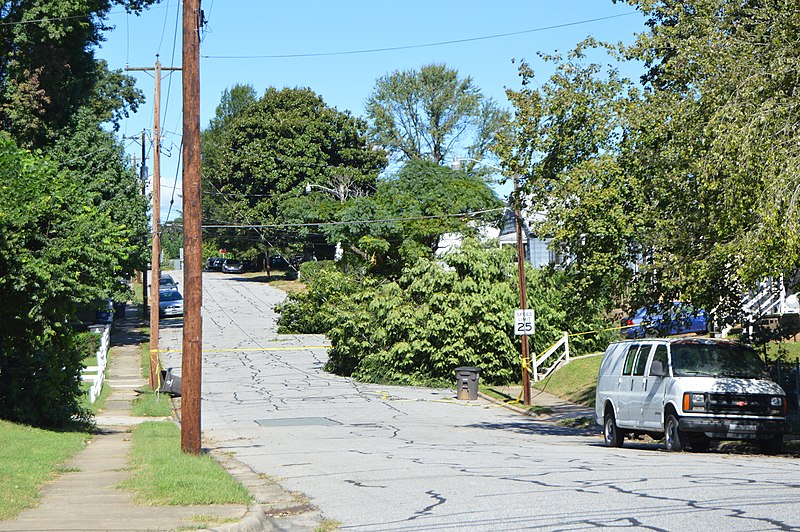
(267, 151)
(718, 137)
(566, 144)
(47, 65)
(59, 249)
(410, 212)
(432, 113)
(684, 189)
(94, 157)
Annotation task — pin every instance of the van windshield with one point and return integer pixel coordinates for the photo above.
(714, 359)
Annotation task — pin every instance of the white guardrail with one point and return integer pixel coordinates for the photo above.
(96, 374)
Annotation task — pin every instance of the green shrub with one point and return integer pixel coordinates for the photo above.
(436, 316)
(87, 343)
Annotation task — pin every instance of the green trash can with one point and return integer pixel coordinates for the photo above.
(467, 379)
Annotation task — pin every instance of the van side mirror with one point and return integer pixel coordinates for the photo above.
(657, 369)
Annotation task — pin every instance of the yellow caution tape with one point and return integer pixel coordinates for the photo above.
(249, 349)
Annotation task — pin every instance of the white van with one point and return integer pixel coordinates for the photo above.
(688, 391)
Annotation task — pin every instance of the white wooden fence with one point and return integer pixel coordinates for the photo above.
(538, 361)
(96, 374)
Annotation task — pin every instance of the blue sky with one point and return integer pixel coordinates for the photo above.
(237, 30)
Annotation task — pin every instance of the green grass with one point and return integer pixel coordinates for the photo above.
(164, 476)
(28, 458)
(100, 403)
(786, 351)
(574, 382)
(151, 404)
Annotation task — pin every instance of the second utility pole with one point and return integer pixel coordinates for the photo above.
(155, 260)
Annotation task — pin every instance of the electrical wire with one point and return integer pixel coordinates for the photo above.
(353, 222)
(172, 62)
(426, 45)
(174, 185)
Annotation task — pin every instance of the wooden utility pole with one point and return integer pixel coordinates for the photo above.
(155, 260)
(144, 193)
(523, 297)
(191, 367)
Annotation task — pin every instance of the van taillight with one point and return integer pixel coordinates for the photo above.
(630, 321)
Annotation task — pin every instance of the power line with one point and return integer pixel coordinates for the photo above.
(353, 222)
(412, 46)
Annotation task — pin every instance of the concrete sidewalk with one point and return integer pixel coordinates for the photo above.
(86, 496)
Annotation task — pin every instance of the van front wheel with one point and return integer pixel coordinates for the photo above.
(674, 437)
(611, 433)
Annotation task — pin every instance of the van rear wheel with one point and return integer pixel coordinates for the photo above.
(674, 437)
(611, 433)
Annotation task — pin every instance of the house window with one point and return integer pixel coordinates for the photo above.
(539, 255)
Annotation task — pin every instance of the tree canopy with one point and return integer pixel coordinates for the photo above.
(410, 212)
(47, 67)
(684, 187)
(265, 152)
(58, 250)
(432, 113)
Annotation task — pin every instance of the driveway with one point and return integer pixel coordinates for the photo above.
(396, 458)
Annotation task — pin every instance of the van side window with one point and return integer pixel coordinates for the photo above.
(629, 358)
(641, 360)
(661, 355)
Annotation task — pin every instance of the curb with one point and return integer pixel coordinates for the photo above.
(273, 508)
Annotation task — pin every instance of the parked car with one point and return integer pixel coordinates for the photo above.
(166, 282)
(170, 303)
(214, 264)
(664, 320)
(278, 262)
(689, 391)
(232, 266)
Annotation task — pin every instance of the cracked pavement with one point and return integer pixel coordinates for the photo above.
(387, 458)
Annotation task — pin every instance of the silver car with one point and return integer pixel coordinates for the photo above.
(170, 302)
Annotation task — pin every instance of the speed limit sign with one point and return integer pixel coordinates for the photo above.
(523, 322)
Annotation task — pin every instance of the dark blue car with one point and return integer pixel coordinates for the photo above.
(665, 320)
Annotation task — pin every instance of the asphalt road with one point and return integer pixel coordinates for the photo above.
(392, 458)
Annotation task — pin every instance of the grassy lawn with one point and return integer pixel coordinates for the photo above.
(280, 280)
(165, 476)
(786, 351)
(151, 404)
(28, 458)
(574, 382)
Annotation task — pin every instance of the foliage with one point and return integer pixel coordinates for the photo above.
(436, 316)
(262, 154)
(165, 476)
(565, 142)
(683, 189)
(87, 343)
(430, 113)
(92, 156)
(717, 140)
(410, 212)
(57, 251)
(30, 457)
(48, 70)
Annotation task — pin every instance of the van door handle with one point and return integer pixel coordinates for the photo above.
(631, 384)
(645, 385)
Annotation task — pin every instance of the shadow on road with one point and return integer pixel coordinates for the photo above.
(537, 427)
